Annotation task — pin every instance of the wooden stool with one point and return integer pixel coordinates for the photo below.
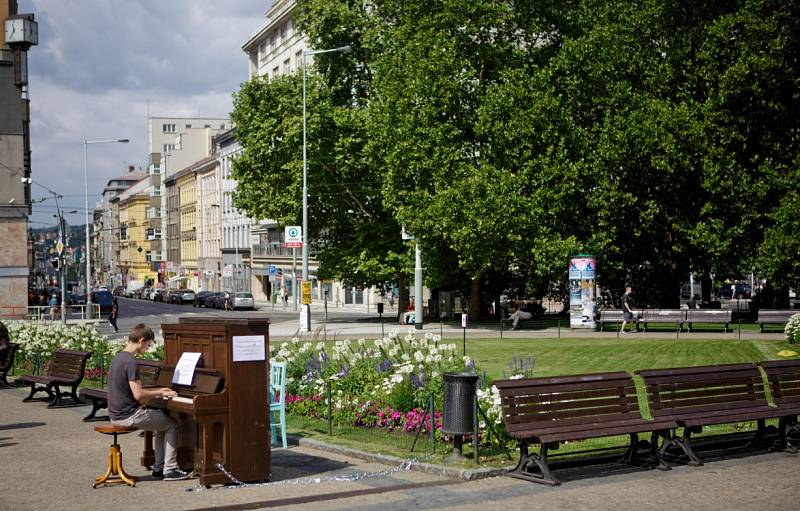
(115, 473)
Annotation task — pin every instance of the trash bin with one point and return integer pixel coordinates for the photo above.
(459, 417)
(380, 307)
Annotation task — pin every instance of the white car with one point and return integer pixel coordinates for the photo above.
(244, 301)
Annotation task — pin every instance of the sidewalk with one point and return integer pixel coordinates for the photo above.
(49, 457)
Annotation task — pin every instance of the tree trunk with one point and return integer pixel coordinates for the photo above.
(475, 299)
(402, 295)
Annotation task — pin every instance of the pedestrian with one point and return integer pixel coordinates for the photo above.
(390, 299)
(518, 315)
(285, 296)
(112, 318)
(627, 312)
(409, 314)
(125, 404)
(53, 307)
(226, 302)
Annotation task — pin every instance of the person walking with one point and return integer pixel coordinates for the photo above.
(390, 299)
(112, 318)
(285, 296)
(627, 311)
(126, 408)
(226, 301)
(53, 307)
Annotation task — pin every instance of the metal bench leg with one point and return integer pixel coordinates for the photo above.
(35, 390)
(523, 468)
(785, 426)
(758, 436)
(630, 453)
(685, 444)
(97, 405)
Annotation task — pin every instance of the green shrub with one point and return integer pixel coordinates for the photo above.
(792, 330)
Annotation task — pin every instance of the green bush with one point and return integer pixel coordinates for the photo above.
(792, 330)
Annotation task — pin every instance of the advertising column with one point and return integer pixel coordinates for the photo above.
(582, 300)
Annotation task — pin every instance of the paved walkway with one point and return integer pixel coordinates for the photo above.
(48, 459)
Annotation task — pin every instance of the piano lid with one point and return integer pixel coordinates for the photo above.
(240, 319)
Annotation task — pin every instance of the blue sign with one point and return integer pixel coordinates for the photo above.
(273, 270)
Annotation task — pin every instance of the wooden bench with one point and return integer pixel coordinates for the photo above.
(7, 363)
(66, 369)
(774, 317)
(784, 385)
(717, 316)
(706, 395)
(675, 317)
(148, 374)
(548, 411)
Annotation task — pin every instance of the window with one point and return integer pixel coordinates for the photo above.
(188, 126)
(284, 31)
(287, 67)
(273, 41)
(169, 148)
(155, 191)
(153, 212)
(168, 128)
(123, 232)
(155, 169)
(222, 126)
(298, 59)
(275, 72)
(153, 234)
(262, 50)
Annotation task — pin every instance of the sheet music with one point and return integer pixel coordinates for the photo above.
(248, 347)
(184, 370)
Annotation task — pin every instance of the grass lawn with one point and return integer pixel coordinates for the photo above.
(559, 357)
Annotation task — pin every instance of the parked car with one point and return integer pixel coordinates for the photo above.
(243, 301)
(216, 301)
(187, 296)
(160, 295)
(104, 299)
(173, 296)
(200, 298)
(119, 291)
(76, 299)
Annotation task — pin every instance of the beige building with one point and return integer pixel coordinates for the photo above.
(277, 47)
(133, 255)
(209, 246)
(186, 181)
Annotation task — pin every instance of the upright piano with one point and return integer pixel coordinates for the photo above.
(224, 414)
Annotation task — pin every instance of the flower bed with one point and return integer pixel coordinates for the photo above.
(382, 384)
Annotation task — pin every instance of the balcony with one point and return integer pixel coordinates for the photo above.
(272, 250)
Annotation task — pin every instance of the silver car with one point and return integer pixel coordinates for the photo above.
(244, 301)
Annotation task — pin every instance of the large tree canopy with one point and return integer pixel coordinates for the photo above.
(661, 137)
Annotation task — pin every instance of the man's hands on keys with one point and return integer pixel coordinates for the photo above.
(167, 393)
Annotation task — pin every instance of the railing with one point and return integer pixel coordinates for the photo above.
(276, 249)
(47, 313)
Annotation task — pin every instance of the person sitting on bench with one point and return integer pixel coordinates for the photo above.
(408, 315)
(518, 315)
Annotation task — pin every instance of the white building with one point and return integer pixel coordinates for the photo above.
(209, 242)
(276, 48)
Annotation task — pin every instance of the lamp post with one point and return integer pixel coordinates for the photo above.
(306, 53)
(86, 144)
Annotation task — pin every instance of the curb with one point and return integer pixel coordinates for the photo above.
(386, 459)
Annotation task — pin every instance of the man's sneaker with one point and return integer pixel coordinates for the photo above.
(175, 474)
(158, 474)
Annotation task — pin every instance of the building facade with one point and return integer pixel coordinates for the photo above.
(133, 263)
(186, 181)
(15, 163)
(209, 233)
(277, 47)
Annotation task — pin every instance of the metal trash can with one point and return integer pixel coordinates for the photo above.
(459, 393)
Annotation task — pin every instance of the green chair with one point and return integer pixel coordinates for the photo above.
(277, 400)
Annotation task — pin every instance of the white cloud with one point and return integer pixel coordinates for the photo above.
(97, 64)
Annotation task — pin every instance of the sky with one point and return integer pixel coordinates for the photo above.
(97, 65)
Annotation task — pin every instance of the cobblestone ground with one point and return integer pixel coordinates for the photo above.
(48, 459)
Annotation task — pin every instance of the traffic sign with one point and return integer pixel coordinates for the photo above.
(306, 294)
(59, 247)
(293, 236)
(273, 270)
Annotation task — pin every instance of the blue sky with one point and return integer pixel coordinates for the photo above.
(98, 63)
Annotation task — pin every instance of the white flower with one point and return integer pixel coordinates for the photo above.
(418, 356)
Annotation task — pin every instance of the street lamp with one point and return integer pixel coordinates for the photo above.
(86, 189)
(306, 53)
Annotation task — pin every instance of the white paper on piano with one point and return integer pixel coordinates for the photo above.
(248, 347)
(184, 370)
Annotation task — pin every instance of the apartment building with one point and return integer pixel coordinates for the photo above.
(209, 233)
(174, 143)
(133, 254)
(105, 232)
(277, 47)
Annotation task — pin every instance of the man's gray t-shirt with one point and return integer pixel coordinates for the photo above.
(121, 403)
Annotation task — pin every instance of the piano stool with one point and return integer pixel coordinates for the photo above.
(115, 474)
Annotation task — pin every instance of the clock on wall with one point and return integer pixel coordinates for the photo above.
(22, 29)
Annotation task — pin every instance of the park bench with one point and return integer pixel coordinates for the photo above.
(551, 410)
(717, 316)
(774, 317)
(675, 317)
(7, 363)
(706, 395)
(148, 374)
(614, 317)
(784, 385)
(66, 369)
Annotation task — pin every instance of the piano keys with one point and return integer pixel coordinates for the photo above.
(223, 415)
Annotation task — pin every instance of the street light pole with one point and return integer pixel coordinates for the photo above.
(86, 191)
(306, 53)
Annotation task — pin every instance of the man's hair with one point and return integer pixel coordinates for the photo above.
(141, 331)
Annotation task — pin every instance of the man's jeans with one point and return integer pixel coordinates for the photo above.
(166, 429)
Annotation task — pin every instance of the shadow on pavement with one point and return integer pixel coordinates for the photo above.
(22, 425)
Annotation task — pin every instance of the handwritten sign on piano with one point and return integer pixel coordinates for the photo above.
(248, 347)
(184, 370)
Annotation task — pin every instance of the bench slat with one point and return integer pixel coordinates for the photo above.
(533, 403)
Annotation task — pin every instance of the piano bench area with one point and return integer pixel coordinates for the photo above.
(114, 474)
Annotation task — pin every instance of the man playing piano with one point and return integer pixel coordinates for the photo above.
(125, 394)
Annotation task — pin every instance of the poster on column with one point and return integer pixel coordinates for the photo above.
(582, 299)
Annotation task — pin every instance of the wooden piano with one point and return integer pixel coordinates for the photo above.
(224, 414)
